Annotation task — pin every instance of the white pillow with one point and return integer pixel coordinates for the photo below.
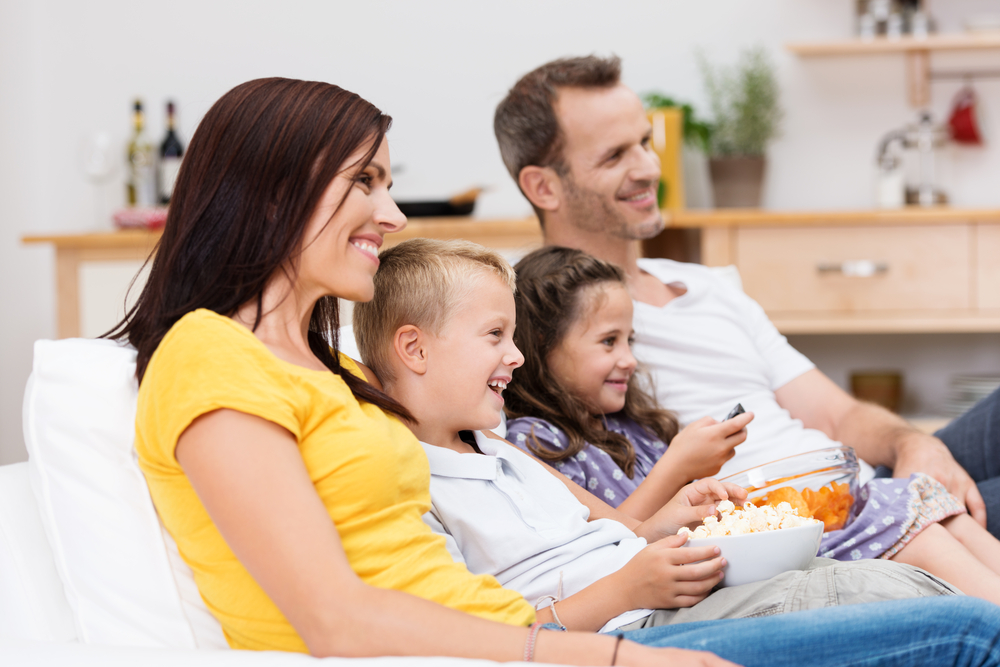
(110, 550)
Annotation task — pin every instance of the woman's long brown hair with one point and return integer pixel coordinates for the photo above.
(549, 299)
(252, 176)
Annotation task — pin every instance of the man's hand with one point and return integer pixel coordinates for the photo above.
(925, 453)
(878, 436)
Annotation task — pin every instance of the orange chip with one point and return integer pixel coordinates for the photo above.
(787, 494)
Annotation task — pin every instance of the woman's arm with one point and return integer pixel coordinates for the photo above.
(252, 481)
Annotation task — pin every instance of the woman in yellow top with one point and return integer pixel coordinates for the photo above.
(288, 482)
(292, 489)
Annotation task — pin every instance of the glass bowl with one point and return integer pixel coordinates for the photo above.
(809, 470)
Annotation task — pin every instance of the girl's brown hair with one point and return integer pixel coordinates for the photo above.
(252, 176)
(549, 299)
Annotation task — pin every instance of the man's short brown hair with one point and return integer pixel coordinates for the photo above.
(420, 282)
(525, 122)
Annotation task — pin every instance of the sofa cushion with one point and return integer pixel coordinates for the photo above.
(32, 601)
(123, 579)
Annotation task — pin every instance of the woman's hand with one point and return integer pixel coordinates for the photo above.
(690, 506)
(666, 576)
(637, 655)
(701, 448)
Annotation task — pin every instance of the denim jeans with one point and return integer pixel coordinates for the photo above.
(974, 441)
(950, 630)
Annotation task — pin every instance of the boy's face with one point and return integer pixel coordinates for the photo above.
(471, 360)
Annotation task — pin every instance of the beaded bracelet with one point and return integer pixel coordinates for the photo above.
(529, 643)
(552, 599)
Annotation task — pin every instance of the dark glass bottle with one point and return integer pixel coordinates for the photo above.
(171, 151)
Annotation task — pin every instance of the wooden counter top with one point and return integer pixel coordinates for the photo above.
(512, 232)
(743, 217)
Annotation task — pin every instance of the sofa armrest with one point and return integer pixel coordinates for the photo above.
(32, 600)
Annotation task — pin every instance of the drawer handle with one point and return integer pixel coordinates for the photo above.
(854, 268)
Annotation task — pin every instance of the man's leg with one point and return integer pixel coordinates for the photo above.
(974, 441)
(951, 630)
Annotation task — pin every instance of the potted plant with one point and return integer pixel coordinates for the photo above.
(744, 101)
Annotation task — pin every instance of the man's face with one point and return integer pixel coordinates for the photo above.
(613, 171)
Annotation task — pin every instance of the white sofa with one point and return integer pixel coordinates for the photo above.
(87, 574)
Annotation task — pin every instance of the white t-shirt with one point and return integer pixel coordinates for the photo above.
(714, 347)
(503, 514)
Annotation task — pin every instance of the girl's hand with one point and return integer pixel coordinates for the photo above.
(666, 576)
(692, 503)
(703, 446)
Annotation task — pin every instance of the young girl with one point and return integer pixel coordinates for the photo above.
(578, 404)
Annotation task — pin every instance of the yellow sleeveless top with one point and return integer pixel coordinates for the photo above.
(367, 467)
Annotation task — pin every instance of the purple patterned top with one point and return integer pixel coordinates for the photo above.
(592, 467)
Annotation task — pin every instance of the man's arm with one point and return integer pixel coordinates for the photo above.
(877, 435)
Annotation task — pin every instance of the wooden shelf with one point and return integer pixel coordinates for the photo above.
(916, 50)
(859, 47)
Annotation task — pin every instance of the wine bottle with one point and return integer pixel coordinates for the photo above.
(141, 186)
(171, 150)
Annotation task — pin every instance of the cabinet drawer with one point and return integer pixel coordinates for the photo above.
(857, 269)
(988, 266)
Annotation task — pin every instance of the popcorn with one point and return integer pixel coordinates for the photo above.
(750, 519)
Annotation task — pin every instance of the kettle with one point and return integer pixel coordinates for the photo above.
(924, 137)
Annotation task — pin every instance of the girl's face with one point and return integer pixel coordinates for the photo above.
(340, 253)
(594, 359)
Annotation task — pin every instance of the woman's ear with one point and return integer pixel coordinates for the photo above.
(542, 186)
(408, 344)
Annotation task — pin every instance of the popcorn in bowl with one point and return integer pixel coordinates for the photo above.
(749, 519)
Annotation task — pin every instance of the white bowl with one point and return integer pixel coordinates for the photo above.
(759, 556)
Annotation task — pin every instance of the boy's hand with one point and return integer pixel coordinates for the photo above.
(703, 446)
(665, 576)
(693, 503)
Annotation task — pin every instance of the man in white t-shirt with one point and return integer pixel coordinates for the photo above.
(577, 142)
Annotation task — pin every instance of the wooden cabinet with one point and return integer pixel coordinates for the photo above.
(920, 270)
(987, 267)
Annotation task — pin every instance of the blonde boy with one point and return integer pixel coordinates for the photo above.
(439, 335)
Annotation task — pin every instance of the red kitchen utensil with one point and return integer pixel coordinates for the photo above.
(963, 122)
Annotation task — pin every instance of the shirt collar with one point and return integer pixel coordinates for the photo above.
(448, 463)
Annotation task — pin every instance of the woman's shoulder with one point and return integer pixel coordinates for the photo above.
(204, 348)
(205, 329)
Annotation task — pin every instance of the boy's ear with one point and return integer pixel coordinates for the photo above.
(408, 344)
(542, 186)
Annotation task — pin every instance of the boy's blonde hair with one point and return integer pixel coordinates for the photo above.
(420, 282)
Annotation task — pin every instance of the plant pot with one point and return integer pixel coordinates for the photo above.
(737, 181)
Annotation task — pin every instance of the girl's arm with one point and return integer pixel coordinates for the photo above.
(697, 451)
(691, 504)
(252, 481)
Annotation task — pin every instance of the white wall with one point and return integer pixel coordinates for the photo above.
(69, 69)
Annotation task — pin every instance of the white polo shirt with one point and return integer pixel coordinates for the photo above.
(503, 514)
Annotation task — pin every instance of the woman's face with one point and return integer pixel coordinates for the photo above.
(340, 253)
